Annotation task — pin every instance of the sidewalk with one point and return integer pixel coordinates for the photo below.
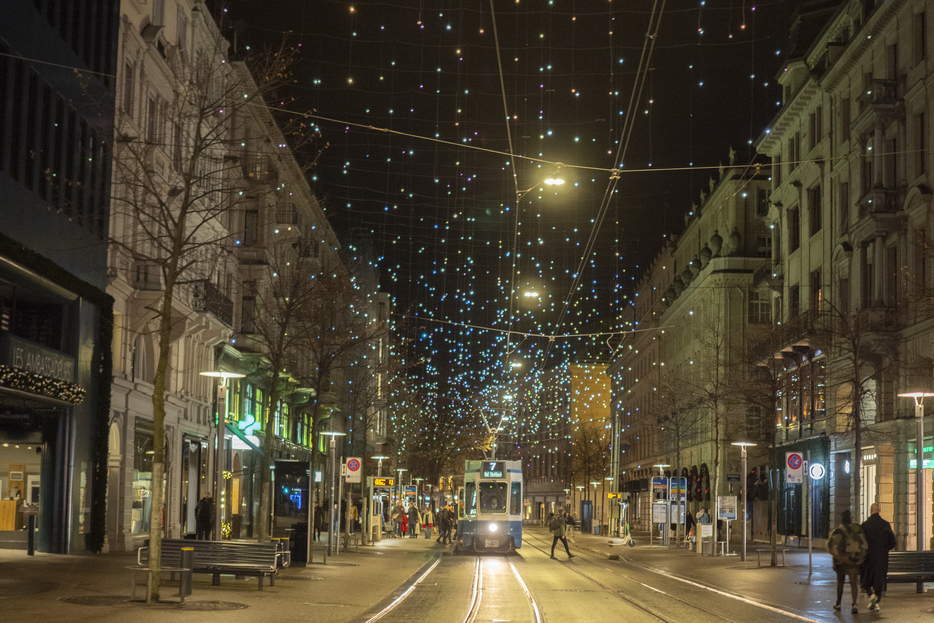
(49, 587)
(788, 588)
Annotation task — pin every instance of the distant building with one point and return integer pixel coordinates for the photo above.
(57, 82)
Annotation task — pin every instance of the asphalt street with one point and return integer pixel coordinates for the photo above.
(410, 579)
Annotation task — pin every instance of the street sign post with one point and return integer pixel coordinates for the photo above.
(794, 468)
(352, 469)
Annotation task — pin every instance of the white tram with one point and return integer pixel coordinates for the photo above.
(490, 507)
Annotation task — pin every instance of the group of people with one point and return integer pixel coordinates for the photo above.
(409, 523)
(862, 553)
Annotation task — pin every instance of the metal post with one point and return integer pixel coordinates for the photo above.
(333, 498)
(919, 480)
(186, 562)
(219, 458)
(31, 536)
(807, 488)
(311, 516)
(743, 558)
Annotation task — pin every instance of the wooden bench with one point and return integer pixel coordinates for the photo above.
(759, 553)
(911, 567)
(239, 558)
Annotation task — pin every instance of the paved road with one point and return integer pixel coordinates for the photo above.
(413, 579)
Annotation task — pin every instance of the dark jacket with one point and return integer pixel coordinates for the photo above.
(204, 512)
(881, 539)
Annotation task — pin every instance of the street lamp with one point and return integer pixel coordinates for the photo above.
(379, 466)
(334, 514)
(606, 501)
(399, 470)
(919, 397)
(744, 445)
(219, 451)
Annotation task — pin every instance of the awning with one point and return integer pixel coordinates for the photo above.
(244, 438)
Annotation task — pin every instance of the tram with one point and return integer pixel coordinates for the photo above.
(489, 509)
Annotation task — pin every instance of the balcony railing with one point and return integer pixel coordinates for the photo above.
(258, 169)
(206, 297)
(146, 275)
(880, 200)
(286, 214)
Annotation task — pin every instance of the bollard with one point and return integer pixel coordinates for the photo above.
(31, 537)
(186, 561)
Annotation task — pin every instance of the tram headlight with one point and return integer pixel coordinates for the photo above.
(493, 527)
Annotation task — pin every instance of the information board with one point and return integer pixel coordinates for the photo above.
(492, 469)
(660, 513)
(726, 507)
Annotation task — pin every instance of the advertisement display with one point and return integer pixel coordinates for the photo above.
(726, 507)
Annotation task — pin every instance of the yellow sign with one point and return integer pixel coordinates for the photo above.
(383, 482)
(612, 495)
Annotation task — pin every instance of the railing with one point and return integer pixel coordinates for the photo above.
(880, 200)
(286, 214)
(765, 273)
(206, 297)
(258, 168)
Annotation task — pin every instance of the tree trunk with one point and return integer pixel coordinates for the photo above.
(156, 511)
(716, 474)
(773, 507)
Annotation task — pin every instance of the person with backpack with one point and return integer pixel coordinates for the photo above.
(444, 526)
(847, 544)
(880, 539)
(557, 527)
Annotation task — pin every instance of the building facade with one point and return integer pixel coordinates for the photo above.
(57, 62)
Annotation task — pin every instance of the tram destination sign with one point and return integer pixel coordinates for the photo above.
(25, 355)
(493, 469)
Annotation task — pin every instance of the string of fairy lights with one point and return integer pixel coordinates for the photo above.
(498, 291)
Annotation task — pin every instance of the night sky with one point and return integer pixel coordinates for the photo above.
(437, 197)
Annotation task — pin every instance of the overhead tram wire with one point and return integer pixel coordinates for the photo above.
(629, 121)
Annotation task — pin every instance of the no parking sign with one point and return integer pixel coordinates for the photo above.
(794, 468)
(352, 470)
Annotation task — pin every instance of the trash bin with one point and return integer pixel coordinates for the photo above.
(596, 530)
(298, 544)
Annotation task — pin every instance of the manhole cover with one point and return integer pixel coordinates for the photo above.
(307, 578)
(120, 600)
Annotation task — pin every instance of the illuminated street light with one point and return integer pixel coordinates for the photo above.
(219, 453)
(919, 397)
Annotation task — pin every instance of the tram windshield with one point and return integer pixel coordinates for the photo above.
(492, 497)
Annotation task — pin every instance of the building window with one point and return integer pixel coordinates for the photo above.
(920, 127)
(844, 192)
(814, 209)
(794, 302)
(817, 292)
(758, 308)
(158, 12)
(251, 227)
(921, 261)
(792, 151)
(844, 295)
(129, 76)
(247, 307)
(794, 229)
(919, 32)
(816, 127)
(152, 115)
(844, 120)
(762, 202)
(891, 267)
(182, 30)
(764, 246)
(777, 169)
(142, 482)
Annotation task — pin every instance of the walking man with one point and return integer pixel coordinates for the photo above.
(847, 545)
(881, 540)
(428, 521)
(558, 528)
(204, 517)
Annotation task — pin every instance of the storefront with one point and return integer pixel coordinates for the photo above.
(51, 431)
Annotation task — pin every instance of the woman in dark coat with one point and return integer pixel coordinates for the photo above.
(881, 539)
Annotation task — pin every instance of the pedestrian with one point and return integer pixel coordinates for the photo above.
(703, 517)
(557, 526)
(414, 521)
(452, 532)
(397, 521)
(428, 519)
(204, 517)
(352, 516)
(404, 526)
(847, 545)
(880, 539)
(319, 520)
(689, 524)
(444, 526)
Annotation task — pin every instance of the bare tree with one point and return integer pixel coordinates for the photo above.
(176, 188)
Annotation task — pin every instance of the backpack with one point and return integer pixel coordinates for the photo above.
(848, 545)
(555, 523)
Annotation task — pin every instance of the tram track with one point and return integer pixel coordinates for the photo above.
(716, 614)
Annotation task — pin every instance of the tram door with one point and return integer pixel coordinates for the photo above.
(460, 503)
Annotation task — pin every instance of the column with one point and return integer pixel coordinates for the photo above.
(878, 267)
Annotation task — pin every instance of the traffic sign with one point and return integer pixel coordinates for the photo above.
(816, 471)
(353, 470)
(794, 468)
(732, 477)
(612, 495)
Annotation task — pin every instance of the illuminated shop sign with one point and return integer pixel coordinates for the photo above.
(25, 355)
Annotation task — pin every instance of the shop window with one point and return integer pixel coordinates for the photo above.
(515, 499)
(142, 483)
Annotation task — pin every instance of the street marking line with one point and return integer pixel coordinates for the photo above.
(515, 571)
(397, 600)
(745, 600)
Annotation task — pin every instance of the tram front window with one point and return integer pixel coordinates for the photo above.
(492, 497)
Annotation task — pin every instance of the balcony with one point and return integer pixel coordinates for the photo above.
(880, 200)
(206, 297)
(769, 273)
(286, 214)
(259, 169)
(147, 275)
(881, 103)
